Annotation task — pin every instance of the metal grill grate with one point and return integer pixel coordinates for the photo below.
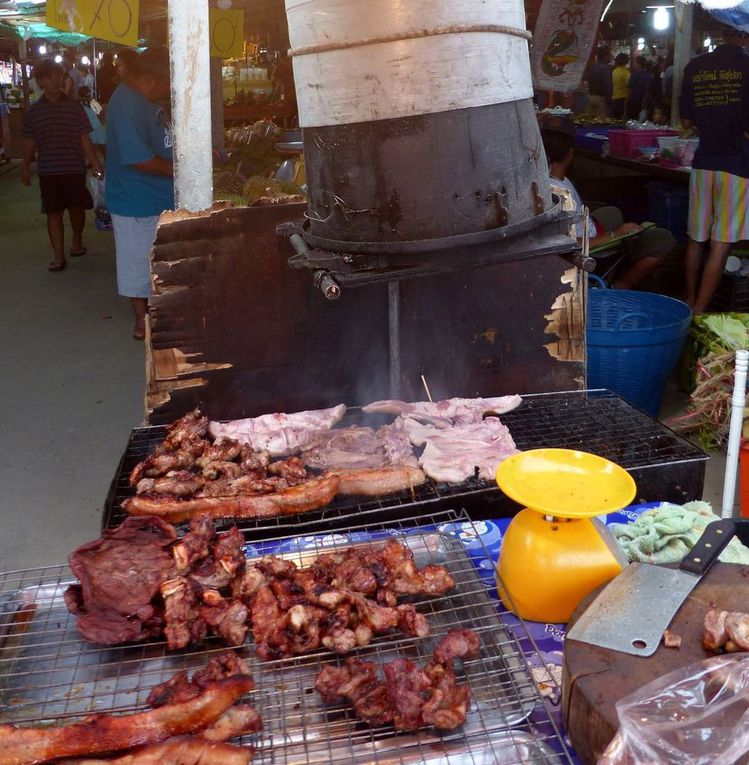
(48, 673)
(595, 421)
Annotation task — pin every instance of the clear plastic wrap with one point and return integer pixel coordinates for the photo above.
(698, 714)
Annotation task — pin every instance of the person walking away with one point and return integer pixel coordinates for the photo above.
(639, 85)
(73, 78)
(649, 248)
(715, 99)
(139, 174)
(599, 83)
(56, 128)
(126, 61)
(106, 78)
(98, 134)
(620, 86)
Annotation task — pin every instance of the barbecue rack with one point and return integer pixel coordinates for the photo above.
(665, 466)
(48, 673)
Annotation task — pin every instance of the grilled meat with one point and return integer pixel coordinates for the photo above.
(375, 481)
(111, 733)
(182, 750)
(409, 697)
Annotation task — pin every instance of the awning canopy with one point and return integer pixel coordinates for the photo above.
(736, 17)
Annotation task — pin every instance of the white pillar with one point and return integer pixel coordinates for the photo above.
(683, 16)
(189, 54)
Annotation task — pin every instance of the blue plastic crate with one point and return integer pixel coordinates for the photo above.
(669, 207)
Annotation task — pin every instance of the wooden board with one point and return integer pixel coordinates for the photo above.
(594, 679)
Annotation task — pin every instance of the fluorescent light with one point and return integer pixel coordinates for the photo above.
(42, 50)
(661, 19)
(85, 60)
(606, 10)
(58, 59)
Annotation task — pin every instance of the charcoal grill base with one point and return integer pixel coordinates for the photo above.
(665, 466)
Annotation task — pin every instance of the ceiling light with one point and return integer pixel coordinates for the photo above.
(58, 59)
(661, 19)
(42, 50)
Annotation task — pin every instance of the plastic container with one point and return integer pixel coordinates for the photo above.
(634, 341)
(593, 139)
(677, 151)
(626, 143)
(669, 207)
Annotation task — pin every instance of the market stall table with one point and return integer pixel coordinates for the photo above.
(649, 168)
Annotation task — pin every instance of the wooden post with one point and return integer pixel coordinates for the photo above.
(189, 54)
(683, 15)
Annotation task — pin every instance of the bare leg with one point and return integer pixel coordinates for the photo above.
(77, 221)
(641, 269)
(716, 261)
(140, 307)
(56, 231)
(692, 269)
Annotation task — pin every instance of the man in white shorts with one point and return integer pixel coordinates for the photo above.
(139, 185)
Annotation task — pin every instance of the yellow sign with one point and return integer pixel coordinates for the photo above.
(227, 33)
(112, 20)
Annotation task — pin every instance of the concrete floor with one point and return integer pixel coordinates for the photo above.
(72, 383)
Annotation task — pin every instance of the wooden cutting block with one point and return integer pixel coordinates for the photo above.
(594, 679)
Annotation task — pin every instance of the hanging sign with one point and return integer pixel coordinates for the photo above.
(562, 43)
(227, 33)
(112, 20)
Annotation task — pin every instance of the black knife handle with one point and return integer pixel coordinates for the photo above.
(711, 544)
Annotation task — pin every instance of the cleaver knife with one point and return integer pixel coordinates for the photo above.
(632, 611)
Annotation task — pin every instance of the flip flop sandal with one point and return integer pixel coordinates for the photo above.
(78, 253)
(139, 335)
(57, 266)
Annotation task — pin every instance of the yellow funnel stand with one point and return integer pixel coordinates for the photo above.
(553, 554)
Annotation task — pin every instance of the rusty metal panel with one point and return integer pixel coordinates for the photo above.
(237, 332)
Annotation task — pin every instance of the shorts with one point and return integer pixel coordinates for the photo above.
(718, 204)
(133, 239)
(64, 192)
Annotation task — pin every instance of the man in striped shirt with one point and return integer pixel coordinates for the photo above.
(57, 129)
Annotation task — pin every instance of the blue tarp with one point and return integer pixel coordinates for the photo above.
(736, 17)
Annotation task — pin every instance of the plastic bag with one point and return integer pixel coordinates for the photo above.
(103, 220)
(698, 714)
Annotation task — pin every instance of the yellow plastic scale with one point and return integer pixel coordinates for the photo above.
(554, 551)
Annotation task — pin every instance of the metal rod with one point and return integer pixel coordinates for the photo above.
(394, 320)
(189, 55)
(426, 387)
(738, 402)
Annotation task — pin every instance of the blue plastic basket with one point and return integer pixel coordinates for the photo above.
(634, 341)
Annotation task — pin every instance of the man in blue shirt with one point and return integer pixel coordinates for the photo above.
(139, 185)
(715, 99)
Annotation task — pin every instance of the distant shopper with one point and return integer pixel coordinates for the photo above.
(648, 249)
(139, 174)
(620, 86)
(639, 86)
(599, 84)
(126, 61)
(73, 78)
(56, 128)
(106, 78)
(98, 134)
(715, 99)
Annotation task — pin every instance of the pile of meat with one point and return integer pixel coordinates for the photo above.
(188, 723)
(460, 437)
(410, 696)
(726, 631)
(138, 581)
(226, 477)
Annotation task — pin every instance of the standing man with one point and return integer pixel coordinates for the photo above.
(139, 174)
(57, 129)
(599, 83)
(715, 99)
(640, 82)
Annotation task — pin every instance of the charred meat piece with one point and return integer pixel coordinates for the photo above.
(411, 696)
(715, 635)
(411, 622)
(671, 639)
(457, 644)
(186, 430)
(195, 545)
(372, 482)
(406, 684)
(236, 721)
(223, 665)
(228, 619)
(180, 750)
(247, 584)
(111, 733)
(184, 624)
(221, 468)
(120, 575)
(737, 627)
(176, 483)
(173, 691)
(221, 450)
